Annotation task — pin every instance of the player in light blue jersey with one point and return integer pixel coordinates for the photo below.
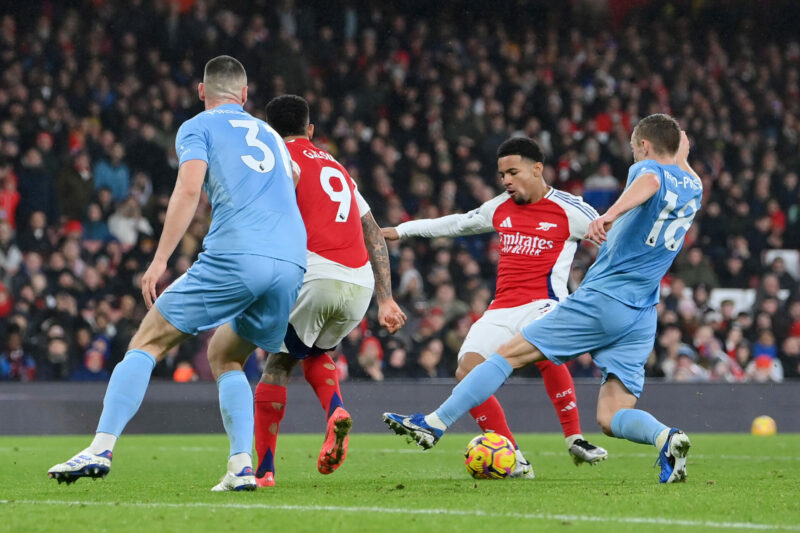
(612, 315)
(244, 283)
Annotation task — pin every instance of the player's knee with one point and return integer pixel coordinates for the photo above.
(604, 421)
(278, 369)
(465, 365)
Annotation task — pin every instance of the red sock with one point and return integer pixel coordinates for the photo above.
(270, 403)
(490, 417)
(561, 389)
(321, 373)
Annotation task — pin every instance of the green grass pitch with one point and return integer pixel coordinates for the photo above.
(161, 483)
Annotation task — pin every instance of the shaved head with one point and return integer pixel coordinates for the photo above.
(224, 77)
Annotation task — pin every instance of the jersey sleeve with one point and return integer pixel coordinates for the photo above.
(579, 219)
(472, 223)
(579, 213)
(363, 206)
(191, 142)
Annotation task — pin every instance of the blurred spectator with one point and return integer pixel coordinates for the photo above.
(763, 369)
(9, 196)
(36, 190)
(429, 361)
(686, 367)
(112, 172)
(10, 254)
(790, 356)
(127, 223)
(35, 237)
(75, 186)
(15, 363)
(694, 268)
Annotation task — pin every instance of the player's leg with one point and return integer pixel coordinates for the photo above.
(270, 406)
(124, 394)
(490, 415)
(558, 336)
(561, 389)
(490, 331)
(263, 323)
(227, 353)
(622, 364)
(347, 305)
(618, 418)
(476, 387)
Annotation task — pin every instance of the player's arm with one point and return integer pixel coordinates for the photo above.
(390, 315)
(472, 223)
(295, 173)
(642, 189)
(682, 157)
(180, 211)
(580, 215)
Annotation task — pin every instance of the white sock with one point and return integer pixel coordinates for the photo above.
(661, 440)
(435, 422)
(239, 461)
(102, 442)
(572, 438)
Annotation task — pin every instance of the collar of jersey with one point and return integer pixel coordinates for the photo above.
(230, 106)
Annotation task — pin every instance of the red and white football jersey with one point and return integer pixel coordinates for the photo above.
(332, 208)
(537, 242)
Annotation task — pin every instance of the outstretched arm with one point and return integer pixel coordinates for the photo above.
(641, 190)
(181, 209)
(476, 221)
(390, 315)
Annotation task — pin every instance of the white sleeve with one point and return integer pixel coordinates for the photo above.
(472, 223)
(363, 206)
(579, 213)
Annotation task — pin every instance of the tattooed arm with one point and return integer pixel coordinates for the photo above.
(390, 315)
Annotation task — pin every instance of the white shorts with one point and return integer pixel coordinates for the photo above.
(497, 326)
(325, 312)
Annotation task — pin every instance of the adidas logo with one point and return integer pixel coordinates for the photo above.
(506, 223)
(570, 406)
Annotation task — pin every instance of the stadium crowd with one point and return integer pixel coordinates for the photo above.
(91, 97)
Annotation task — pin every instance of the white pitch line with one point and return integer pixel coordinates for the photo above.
(417, 449)
(448, 512)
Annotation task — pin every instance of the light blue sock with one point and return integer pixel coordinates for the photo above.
(236, 406)
(476, 388)
(636, 425)
(125, 391)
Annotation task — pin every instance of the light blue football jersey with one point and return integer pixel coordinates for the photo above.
(643, 242)
(249, 184)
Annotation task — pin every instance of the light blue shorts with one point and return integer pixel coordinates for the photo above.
(620, 338)
(252, 292)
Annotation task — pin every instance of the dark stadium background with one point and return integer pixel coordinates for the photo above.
(413, 99)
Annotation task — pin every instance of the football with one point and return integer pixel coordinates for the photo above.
(490, 456)
(764, 426)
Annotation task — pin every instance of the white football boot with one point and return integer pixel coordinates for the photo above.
(244, 480)
(84, 464)
(523, 469)
(585, 452)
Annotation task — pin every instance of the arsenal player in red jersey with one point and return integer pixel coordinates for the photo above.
(539, 229)
(346, 259)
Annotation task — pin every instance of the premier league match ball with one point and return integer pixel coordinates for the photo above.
(490, 456)
(764, 426)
